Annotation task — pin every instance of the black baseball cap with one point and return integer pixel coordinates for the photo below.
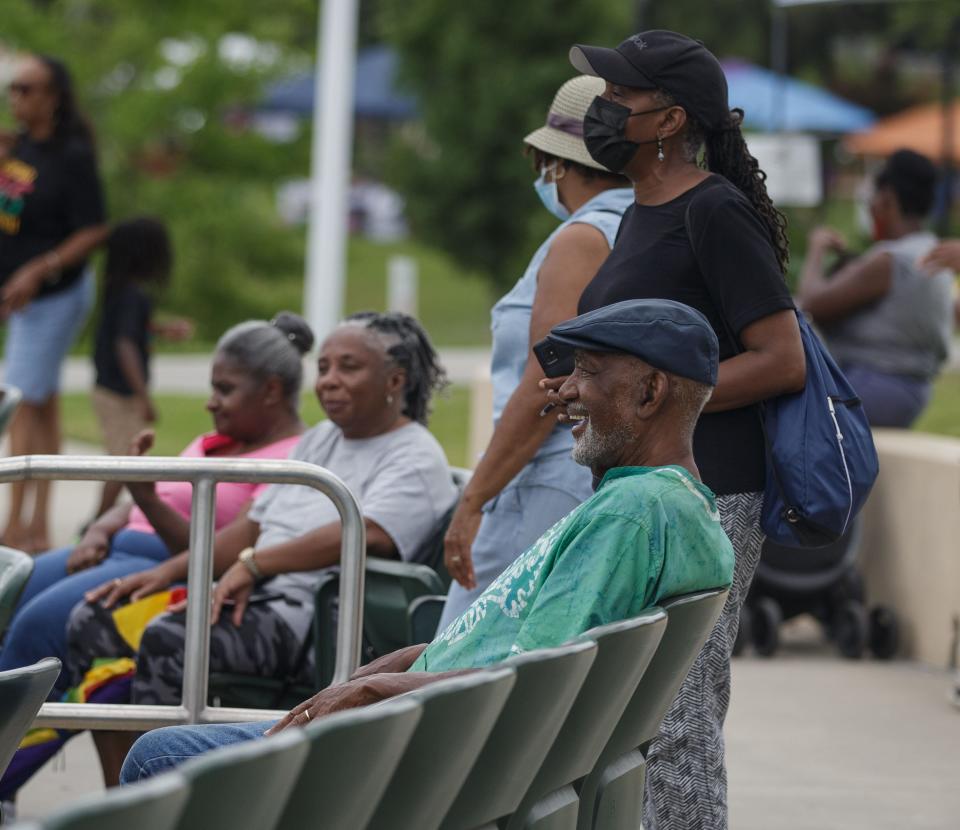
(660, 59)
(666, 334)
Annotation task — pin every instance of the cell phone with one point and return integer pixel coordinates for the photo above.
(554, 363)
(255, 599)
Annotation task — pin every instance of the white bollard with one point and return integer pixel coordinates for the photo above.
(402, 279)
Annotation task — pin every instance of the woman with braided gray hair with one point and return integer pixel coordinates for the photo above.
(376, 375)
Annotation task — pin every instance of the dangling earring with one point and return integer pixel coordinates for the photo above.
(389, 399)
(660, 155)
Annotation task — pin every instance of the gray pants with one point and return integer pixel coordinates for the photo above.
(686, 775)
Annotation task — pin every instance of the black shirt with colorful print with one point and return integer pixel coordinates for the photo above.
(48, 191)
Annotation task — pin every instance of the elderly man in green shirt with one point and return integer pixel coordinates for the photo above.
(640, 372)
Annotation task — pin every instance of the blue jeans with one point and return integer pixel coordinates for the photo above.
(889, 400)
(38, 627)
(168, 747)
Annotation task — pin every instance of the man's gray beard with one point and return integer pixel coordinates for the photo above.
(595, 450)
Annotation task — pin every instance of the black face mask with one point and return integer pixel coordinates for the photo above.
(604, 130)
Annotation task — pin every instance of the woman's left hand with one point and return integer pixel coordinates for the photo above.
(235, 586)
(22, 286)
(458, 543)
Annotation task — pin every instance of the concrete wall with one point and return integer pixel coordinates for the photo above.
(911, 544)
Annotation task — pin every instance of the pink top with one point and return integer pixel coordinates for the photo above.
(231, 496)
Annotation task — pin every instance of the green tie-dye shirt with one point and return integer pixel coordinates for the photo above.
(648, 533)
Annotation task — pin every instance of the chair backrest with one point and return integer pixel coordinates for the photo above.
(9, 401)
(22, 693)
(352, 756)
(547, 683)
(389, 588)
(152, 804)
(15, 570)
(245, 785)
(690, 619)
(624, 650)
(425, 613)
(458, 714)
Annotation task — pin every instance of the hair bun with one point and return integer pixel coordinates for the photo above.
(296, 329)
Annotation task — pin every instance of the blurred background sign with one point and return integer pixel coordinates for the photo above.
(792, 163)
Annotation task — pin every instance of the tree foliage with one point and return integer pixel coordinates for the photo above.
(485, 74)
(163, 87)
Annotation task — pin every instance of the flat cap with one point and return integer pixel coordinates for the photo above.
(668, 335)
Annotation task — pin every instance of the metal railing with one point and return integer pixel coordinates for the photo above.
(204, 474)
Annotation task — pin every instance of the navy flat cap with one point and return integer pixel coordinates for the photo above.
(668, 335)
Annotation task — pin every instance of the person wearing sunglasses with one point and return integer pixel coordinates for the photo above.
(52, 216)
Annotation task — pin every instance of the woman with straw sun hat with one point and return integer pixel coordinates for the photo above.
(526, 480)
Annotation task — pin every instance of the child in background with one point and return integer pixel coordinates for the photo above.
(138, 265)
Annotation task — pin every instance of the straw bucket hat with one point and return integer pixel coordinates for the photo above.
(562, 135)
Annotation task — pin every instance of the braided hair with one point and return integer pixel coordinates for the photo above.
(69, 122)
(409, 347)
(726, 153)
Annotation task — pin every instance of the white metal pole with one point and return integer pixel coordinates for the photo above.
(330, 163)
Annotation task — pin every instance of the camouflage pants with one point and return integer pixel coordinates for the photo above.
(262, 645)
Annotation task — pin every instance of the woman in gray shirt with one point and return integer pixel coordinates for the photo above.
(376, 374)
(886, 318)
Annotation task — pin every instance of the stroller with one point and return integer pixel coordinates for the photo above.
(823, 582)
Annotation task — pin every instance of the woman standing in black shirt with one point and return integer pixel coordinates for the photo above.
(51, 218)
(709, 238)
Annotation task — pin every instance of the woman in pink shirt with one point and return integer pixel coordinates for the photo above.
(255, 379)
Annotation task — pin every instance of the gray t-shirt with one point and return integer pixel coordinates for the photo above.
(401, 480)
(907, 331)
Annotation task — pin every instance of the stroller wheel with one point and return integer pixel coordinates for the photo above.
(744, 631)
(766, 619)
(884, 632)
(850, 629)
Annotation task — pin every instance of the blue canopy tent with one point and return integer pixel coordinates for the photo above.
(771, 102)
(374, 92)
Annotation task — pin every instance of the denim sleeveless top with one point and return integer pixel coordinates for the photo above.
(510, 318)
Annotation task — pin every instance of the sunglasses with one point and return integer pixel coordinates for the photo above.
(20, 88)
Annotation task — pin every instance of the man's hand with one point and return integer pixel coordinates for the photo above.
(458, 542)
(235, 585)
(90, 550)
(360, 692)
(136, 586)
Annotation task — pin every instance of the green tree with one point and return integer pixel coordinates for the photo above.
(165, 92)
(485, 74)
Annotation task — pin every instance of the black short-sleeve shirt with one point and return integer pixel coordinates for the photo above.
(48, 191)
(729, 272)
(126, 313)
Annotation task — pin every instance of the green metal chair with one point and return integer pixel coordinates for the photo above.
(22, 693)
(425, 613)
(611, 796)
(245, 785)
(352, 756)
(458, 714)
(624, 650)
(10, 397)
(154, 804)
(547, 683)
(15, 570)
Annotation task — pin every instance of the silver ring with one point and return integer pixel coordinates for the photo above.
(454, 558)
(306, 714)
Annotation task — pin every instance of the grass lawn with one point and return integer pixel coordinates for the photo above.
(183, 417)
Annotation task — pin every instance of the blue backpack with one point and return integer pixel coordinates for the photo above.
(821, 461)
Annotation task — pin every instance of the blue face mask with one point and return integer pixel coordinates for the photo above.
(547, 191)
